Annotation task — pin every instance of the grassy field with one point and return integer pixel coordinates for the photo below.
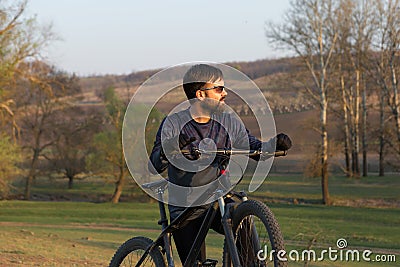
(367, 191)
(380, 189)
(66, 233)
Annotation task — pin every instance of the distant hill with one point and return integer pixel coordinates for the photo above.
(253, 69)
(275, 78)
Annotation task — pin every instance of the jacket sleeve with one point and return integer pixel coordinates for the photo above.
(245, 140)
(157, 162)
(268, 146)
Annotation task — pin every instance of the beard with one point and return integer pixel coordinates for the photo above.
(214, 106)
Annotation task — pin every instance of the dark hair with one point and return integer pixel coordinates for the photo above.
(197, 76)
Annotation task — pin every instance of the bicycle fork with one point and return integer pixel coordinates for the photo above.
(226, 214)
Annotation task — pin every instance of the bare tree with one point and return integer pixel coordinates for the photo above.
(21, 38)
(364, 129)
(108, 156)
(309, 29)
(363, 30)
(40, 97)
(388, 63)
(344, 19)
(356, 28)
(381, 133)
(74, 128)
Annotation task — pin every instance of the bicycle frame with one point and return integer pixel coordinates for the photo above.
(226, 210)
(164, 239)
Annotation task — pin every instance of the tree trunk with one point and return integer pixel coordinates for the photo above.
(28, 184)
(381, 134)
(357, 126)
(364, 131)
(346, 129)
(70, 182)
(69, 172)
(119, 185)
(31, 174)
(118, 189)
(397, 120)
(324, 154)
(352, 131)
(396, 105)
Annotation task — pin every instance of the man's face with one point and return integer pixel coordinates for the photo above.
(213, 96)
(215, 90)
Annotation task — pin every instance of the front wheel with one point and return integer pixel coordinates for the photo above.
(129, 253)
(258, 237)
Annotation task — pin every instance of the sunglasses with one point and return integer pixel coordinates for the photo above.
(218, 89)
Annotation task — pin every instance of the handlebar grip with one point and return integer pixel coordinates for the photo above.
(280, 153)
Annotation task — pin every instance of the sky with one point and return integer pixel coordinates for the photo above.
(122, 36)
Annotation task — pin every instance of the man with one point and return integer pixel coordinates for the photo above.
(205, 123)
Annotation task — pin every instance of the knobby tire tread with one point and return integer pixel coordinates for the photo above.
(137, 243)
(260, 210)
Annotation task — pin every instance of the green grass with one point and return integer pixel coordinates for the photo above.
(360, 226)
(103, 227)
(278, 187)
(40, 233)
(340, 188)
(138, 215)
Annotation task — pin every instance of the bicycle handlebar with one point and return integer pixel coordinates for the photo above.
(230, 152)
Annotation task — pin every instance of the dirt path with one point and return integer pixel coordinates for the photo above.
(77, 226)
(32, 244)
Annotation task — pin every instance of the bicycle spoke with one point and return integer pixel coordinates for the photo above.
(251, 237)
(133, 258)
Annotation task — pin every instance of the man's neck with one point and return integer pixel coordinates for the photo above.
(199, 114)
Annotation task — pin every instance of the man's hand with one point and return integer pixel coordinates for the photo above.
(283, 142)
(184, 140)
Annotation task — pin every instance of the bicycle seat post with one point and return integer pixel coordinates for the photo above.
(163, 215)
(159, 188)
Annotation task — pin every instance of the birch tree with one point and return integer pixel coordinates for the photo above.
(356, 29)
(309, 30)
(388, 63)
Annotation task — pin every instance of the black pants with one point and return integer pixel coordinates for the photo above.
(185, 236)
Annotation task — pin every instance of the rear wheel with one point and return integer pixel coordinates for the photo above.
(258, 237)
(129, 253)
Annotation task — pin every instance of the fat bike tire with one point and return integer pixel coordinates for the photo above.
(255, 229)
(129, 253)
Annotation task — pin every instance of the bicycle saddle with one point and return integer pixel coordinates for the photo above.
(161, 184)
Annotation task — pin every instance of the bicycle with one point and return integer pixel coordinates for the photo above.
(249, 227)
